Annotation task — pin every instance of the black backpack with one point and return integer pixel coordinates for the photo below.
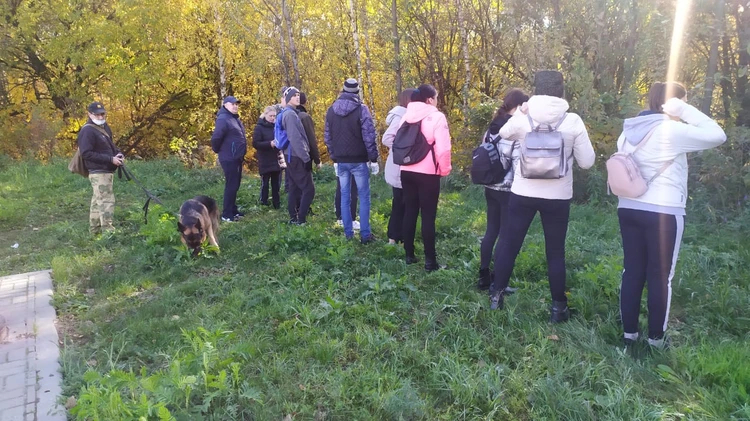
(410, 146)
(486, 163)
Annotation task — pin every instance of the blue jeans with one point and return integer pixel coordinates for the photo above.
(361, 173)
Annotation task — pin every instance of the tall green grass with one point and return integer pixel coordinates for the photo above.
(298, 321)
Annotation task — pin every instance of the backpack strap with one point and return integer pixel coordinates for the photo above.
(536, 129)
(648, 136)
(104, 132)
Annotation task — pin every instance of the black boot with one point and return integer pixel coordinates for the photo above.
(431, 264)
(410, 260)
(485, 279)
(559, 312)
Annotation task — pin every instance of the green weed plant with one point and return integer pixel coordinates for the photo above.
(299, 322)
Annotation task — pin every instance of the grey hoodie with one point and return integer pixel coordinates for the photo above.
(635, 129)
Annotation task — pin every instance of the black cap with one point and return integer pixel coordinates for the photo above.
(549, 82)
(230, 99)
(96, 108)
(302, 98)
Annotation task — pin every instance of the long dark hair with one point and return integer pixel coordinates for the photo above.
(423, 93)
(514, 98)
(404, 98)
(660, 92)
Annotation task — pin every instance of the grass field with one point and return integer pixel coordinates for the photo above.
(298, 323)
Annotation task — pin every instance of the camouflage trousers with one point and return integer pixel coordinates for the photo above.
(102, 203)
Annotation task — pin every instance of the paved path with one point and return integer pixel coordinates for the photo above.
(29, 355)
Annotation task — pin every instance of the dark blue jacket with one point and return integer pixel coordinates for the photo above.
(229, 139)
(350, 133)
(96, 148)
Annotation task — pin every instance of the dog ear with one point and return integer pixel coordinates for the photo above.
(198, 224)
(180, 227)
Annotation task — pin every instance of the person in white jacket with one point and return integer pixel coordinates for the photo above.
(550, 197)
(651, 225)
(393, 171)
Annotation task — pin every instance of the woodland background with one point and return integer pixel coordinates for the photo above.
(161, 68)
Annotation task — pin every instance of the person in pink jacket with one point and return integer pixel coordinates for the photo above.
(421, 181)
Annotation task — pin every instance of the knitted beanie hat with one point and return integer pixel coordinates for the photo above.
(351, 85)
(290, 92)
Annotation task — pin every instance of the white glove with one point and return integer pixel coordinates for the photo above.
(336, 169)
(374, 168)
(674, 107)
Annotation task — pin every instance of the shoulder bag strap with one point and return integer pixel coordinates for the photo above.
(664, 166)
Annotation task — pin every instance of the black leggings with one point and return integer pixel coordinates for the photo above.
(521, 212)
(272, 179)
(421, 194)
(497, 213)
(650, 245)
(396, 221)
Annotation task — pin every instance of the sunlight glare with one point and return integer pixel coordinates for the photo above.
(680, 22)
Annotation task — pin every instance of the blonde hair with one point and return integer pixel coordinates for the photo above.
(267, 110)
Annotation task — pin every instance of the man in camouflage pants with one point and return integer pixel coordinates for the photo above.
(102, 158)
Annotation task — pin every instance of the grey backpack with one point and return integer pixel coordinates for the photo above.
(543, 152)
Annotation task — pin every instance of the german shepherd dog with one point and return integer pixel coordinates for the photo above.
(199, 218)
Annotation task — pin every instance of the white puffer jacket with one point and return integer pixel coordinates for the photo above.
(392, 171)
(549, 110)
(670, 141)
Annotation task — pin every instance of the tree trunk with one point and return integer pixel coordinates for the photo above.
(396, 47)
(284, 58)
(292, 47)
(713, 58)
(631, 66)
(219, 42)
(355, 35)
(368, 61)
(727, 91)
(467, 68)
(743, 35)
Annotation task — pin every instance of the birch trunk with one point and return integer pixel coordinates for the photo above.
(292, 47)
(355, 35)
(467, 67)
(219, 42)
(396, 47)
(713, 58)
(368, 62)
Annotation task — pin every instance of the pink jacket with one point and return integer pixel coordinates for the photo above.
(435, 130)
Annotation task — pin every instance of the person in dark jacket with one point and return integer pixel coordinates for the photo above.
(351, 140)
(269, 158)
(497, 195)
(299, 162)
(102, 158)
(230, 142)
(309, 125)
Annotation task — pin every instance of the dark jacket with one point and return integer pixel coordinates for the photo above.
(299, 147)
(97, 149)
(268, 159)
(229, 139)
(350, 133)
(498, 122)
(307, 123)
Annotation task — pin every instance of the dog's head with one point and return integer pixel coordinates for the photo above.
(192, 233)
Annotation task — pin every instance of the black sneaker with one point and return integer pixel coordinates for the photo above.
(509, 291)
(433, 266)
(485, 279)
(238, 215)
(367, 240)
(296, 222)
(496, 301)
(410, 260)
(559, 312)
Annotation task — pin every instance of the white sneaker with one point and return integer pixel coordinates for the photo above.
(355, 225)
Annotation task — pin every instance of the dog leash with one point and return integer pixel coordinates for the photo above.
(122, 170)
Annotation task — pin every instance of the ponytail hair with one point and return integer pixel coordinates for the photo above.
(404, 98)
(660, 92)
(423, 93)
(513, 98)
